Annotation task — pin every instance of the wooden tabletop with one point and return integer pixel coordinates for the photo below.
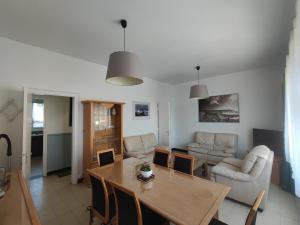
(182, 199)
(16, 207)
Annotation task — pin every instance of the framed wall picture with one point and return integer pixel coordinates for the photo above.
(220, 108)
(141, 110)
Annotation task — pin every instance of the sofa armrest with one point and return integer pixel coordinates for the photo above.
(231, 174)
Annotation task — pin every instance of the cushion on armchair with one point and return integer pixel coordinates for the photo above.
(133, 143)
(249, 161)
(149, 142)
(233, 161)
(230, 171)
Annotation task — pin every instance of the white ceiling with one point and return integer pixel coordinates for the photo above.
(170, 36)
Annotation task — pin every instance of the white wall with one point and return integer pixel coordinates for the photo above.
(57, 115)
(260, 104)
(22, 64)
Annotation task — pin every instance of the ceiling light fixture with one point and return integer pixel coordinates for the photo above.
(123, 67)
(198, 91)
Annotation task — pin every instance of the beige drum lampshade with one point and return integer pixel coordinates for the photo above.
(199, 91)
(123, 69)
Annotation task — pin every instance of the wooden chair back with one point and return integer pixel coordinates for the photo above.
(100, 199)
(106, 157)
(251, 218)
(128, 209)
(183, 163)
(161, 157)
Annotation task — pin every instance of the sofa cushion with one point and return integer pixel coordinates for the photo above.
(225, 142)
(206, 140)
(219, 153)
(261, 151)
(230, 171)
(249, 161)
(258, 167)
(199, 150)
(233, 161)
(135, 154)
(149, 150)
(134, 143)
(149, 142)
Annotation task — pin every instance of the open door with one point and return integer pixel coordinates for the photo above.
(163, 109)
(27, 128)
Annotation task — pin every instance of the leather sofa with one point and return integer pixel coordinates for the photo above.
(141, 146)
(213, 147)
(246, 177)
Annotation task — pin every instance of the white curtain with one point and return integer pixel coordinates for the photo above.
(292, 102)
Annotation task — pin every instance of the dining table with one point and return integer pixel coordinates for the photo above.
(181, 198)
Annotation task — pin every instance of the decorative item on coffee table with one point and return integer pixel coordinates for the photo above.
(145, 173)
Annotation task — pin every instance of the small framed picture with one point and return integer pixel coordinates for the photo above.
(141, 110)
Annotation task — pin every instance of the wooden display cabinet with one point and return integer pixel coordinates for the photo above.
(102, 129)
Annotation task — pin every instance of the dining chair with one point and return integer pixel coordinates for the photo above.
(130, 211)
(103, 204)
(183, 163)
(161, 157)
(106, 157)
(251, 218)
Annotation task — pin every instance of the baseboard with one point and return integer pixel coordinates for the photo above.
(56, 171)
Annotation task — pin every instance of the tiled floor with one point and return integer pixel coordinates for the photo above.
(60, 203)
(36, 166)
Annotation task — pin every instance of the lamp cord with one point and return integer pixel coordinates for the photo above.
(124, 40)
(198, 78)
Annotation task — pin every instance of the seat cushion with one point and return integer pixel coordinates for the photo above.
(229, 171)
(219, 153)
(149, 142)
(199, 150)
(135, 154)
(206, 140)
(134, 143)
(216, 222)
(233, 161)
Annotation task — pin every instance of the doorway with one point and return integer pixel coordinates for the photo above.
(50, 134)
(163, 115)
(37, 134)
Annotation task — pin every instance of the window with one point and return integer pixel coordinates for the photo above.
(38, 114)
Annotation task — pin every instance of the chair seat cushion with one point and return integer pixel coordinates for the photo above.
(216, 222)
(112, 206)
(150, 217)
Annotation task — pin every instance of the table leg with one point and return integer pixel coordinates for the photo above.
(204, 170)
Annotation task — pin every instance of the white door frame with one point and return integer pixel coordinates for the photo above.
(169, 121)
(75, 130)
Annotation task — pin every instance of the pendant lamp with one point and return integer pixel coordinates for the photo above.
(123, 66)
(198, 91)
